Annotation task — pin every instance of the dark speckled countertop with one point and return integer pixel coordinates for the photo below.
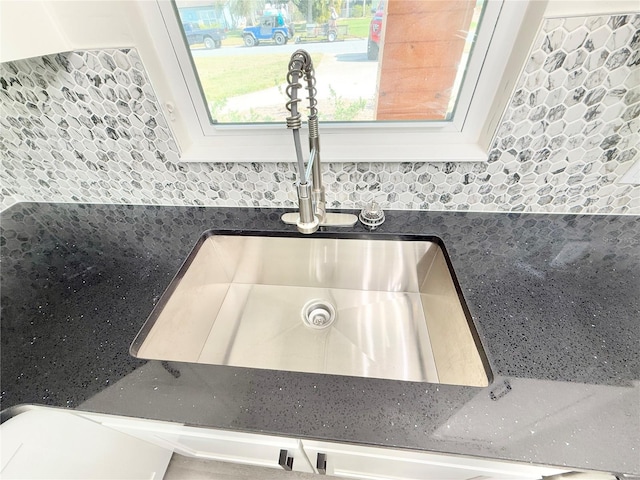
(555, 299)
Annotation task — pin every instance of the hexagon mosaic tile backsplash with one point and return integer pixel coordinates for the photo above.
(86, 126)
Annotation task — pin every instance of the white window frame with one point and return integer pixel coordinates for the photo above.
(496, 61)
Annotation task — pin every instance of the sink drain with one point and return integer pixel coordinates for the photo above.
(318, 314)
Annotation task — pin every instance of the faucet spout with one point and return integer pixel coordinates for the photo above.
(311, 197)
(300, 66)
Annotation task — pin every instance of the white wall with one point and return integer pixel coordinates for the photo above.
(27, 29)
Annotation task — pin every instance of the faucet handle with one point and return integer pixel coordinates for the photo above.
(307, 222)
(372, 215)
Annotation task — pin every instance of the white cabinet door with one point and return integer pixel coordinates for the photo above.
(376, 463)
(227, 446)
(46, 443)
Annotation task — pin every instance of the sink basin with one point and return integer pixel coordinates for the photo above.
(377, 306)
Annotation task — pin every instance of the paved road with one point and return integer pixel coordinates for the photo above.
(337, 48)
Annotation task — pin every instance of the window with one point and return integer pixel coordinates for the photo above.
(429, 45)
(460, 129)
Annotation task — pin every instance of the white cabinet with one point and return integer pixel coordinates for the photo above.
(227, 446)
(47, 443)
(376, 463)
(340, 459)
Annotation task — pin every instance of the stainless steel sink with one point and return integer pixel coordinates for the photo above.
(379, 307)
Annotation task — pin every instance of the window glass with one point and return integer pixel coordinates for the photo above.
(392, 60)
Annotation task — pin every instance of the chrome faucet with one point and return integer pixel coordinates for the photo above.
(312, 212)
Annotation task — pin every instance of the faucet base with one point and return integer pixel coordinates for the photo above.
(330, 220)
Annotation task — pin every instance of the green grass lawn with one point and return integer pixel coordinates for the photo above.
(225, 77)
(234, 38)
(358, 27)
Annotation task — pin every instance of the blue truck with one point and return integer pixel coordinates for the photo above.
(272, 28)
(210, 37)
(204, 24)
